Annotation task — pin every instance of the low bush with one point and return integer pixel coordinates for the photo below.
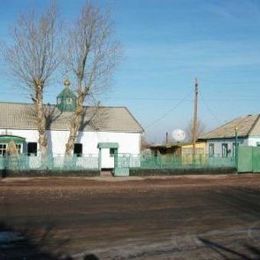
(46, 173)
(199, 171)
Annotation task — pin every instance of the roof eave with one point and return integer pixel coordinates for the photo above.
(223, 137)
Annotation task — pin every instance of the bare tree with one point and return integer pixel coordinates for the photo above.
(91, 56)
(200, 129)
(32, 58)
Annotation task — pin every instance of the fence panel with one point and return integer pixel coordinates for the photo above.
(61, 163)
(256, 159)
(123, 164)
(245, 159)
(186, 162)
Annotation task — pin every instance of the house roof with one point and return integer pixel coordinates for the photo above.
(66, 92)
(114, 119)
(246, 125)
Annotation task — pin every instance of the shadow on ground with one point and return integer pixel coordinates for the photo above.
(22, 244)
(252, 252)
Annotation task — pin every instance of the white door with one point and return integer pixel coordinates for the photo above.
(107, 158)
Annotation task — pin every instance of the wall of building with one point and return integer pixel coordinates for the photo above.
(218, 145)
(29, 135)
(250, 141)
(254, 141)
(187, 152)
(200, 148)
(129, 143)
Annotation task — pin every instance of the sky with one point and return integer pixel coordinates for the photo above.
(166, 45)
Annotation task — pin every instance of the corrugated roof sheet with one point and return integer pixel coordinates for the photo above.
(21, 116)
(244, 125)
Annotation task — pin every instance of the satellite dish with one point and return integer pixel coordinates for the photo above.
(178, 135)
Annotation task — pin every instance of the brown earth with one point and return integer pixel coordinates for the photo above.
(192, 217)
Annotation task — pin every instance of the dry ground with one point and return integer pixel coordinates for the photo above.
(206, 217)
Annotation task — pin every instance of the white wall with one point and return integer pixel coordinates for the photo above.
(128, 142)
(253, 141)
(229, 142)
(29, 135)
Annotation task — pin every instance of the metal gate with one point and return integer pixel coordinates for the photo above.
(248, 159)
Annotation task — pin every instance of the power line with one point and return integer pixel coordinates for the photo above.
(144, 98)
(167, 112)
(209, 109)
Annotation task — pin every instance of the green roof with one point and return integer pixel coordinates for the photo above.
(66, 93)
(8, 138)
(66, 100)
(107, 145)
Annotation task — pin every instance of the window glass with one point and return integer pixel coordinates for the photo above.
(211, 150)
(2, 149)
(19, 148)
(32, 149)
(78, 150)
(224, 150)
(112, 152)
(234, 149)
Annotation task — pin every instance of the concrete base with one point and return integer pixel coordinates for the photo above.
(121, 172)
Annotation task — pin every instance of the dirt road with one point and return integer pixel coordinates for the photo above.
(216, 217)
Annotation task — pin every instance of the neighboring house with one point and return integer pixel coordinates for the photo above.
(166, 153)
(104, 131)
(187, 150)
(222, 140)
(169, 152)
(165, 150)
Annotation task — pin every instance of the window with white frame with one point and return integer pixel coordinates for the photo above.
(224, 150)
(234, 149)
(69, 100)
(19, 148)
(211, 150)
(3, 148)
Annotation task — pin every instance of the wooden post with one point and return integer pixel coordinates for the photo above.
(195, 120)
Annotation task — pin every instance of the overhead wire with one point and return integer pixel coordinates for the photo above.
(165, 114)
(210, 111)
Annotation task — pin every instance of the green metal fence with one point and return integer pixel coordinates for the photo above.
(24, 162)
(123, 162)
(248, 159)
(145, 161)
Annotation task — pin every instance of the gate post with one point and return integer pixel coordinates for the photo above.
(236, 151)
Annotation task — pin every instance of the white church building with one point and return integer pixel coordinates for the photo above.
(104, 131)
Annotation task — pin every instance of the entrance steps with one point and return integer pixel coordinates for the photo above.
(106, 173)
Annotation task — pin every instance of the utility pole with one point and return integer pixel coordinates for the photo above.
(195, 120)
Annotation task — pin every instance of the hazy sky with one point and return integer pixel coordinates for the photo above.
(167, 43)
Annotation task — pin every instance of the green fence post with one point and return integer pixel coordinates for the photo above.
(236, 150)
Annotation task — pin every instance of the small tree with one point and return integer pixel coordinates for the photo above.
(200, 129)
(32, 58)
(90, 58)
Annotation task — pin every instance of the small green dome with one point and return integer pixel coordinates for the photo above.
(66, 100)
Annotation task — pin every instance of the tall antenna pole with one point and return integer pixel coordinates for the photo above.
(195, 119)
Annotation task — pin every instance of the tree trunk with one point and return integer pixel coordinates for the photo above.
(41, 123)
(75, 124)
